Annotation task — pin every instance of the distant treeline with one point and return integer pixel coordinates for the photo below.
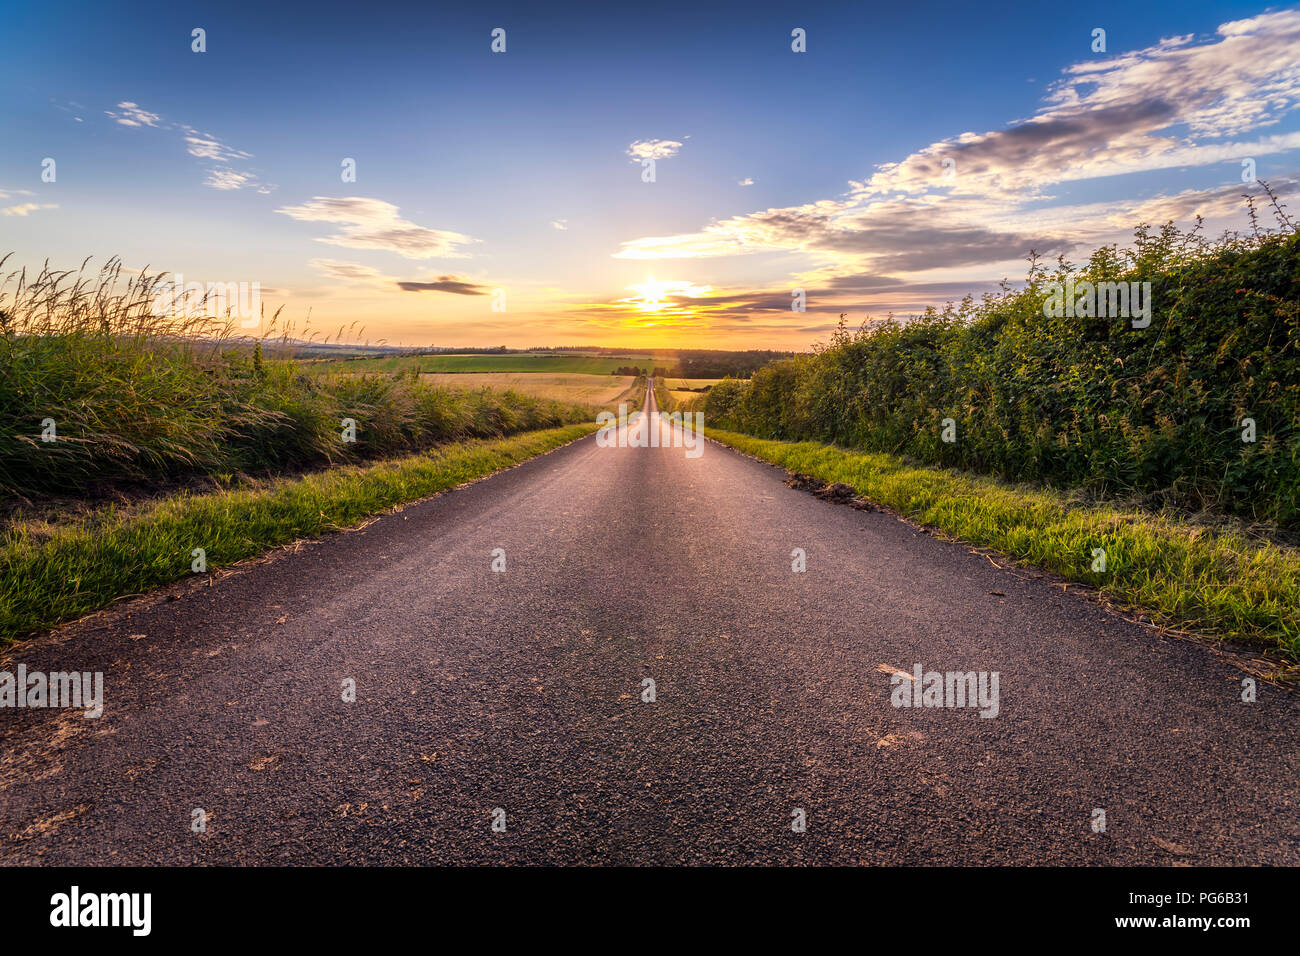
(1200, 408)
(685, 363)
(637, 370)
(706, 363)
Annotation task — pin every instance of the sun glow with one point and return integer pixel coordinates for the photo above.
(661, 295)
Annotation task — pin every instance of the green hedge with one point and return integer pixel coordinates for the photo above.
(1072, 401)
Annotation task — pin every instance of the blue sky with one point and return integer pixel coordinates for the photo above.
(519, 171)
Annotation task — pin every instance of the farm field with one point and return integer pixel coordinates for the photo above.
(579, 388)
(684, 389)
(566, 363)
(690, 383)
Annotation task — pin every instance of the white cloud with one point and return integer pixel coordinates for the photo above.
(357, 275)
(745, 182)
(206, 146)
(375, 224)
(350, 271)
(1182, 102)
(133, 115)
(560, 224)
(199, 145)
(27, 207)
(653, 149)
(227, 179)
(1152, 108)
(69, 106)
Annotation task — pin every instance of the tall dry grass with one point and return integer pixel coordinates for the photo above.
(133, 395)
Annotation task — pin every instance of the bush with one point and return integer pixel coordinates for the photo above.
(1071, 401)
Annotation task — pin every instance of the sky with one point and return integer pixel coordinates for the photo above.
(909, 154)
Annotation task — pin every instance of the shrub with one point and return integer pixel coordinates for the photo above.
(1071, 401)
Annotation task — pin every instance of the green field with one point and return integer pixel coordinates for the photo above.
(510, 362)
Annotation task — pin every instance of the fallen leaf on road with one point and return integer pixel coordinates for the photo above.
(1171, 847)
(886, 669)
(267, 762)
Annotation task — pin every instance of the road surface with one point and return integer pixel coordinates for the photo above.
(504, 717)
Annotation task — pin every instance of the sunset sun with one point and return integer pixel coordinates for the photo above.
(660, 295)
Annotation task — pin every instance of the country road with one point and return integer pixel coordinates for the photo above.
(523, 691)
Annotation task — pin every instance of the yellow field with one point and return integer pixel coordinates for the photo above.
(680, 387)
(684, 383)
(571, 387)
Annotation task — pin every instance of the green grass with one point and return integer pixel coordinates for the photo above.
(664, 397)
(1220, 582)
(81, 566)
(98, 386)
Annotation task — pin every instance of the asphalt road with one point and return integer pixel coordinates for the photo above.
(523, 691)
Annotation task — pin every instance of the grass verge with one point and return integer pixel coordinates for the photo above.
(82, 566)
(1220, 582)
